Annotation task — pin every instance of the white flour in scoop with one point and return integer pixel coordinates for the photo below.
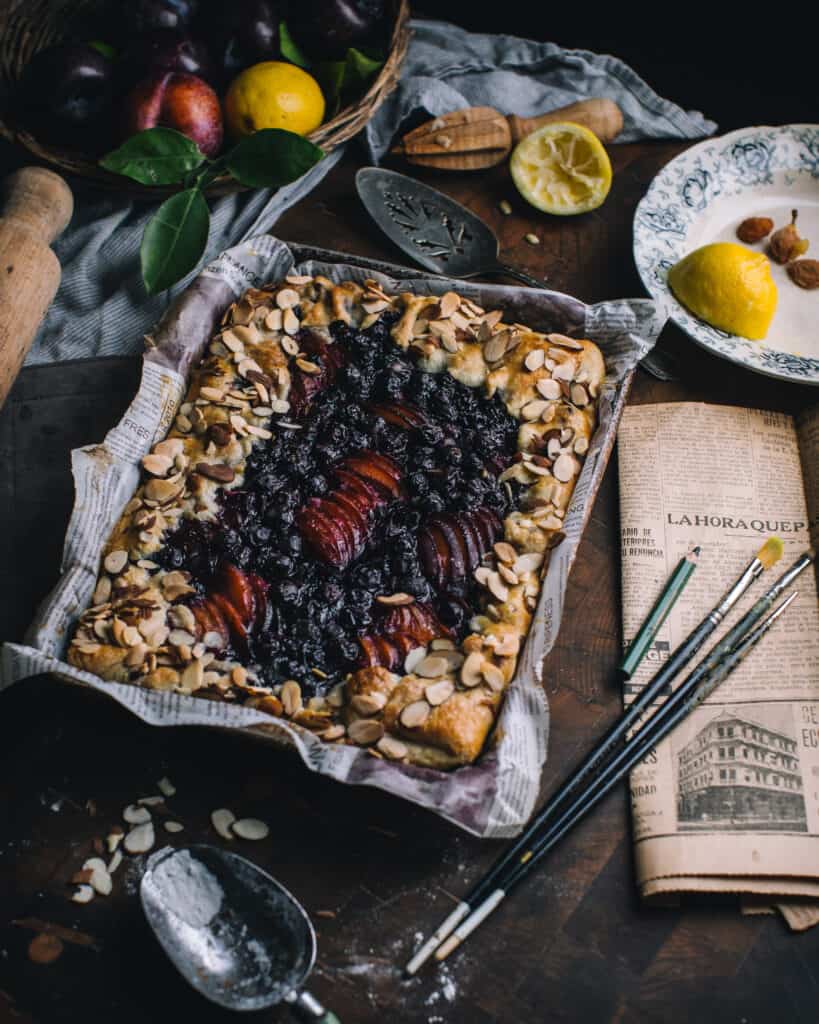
(189, 890)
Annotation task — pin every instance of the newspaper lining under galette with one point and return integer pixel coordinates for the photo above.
(494, 795)
(347, 521)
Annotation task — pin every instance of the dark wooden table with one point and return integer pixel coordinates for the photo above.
(573, 945)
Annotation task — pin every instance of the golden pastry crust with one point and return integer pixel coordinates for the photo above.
(139, 628)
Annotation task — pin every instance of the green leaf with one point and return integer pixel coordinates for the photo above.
(272, 157)
(158, 156)
(174, 239)
(341, 79)
(289, 47)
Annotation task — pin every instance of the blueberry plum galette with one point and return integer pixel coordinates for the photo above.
(347, 523)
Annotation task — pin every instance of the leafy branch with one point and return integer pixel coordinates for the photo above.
(177, 234)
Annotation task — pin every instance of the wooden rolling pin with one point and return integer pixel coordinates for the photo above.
(37, 206)
(477, 137)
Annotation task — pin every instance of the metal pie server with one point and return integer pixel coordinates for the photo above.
(433, 229)
(231, 930)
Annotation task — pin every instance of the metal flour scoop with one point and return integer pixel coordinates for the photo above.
(433, 229)
(233, 932)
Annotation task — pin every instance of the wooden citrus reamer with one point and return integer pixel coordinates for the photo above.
(478, 137)
(37, 206)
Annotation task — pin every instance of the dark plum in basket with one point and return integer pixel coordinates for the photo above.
(66, 95)
(327, 28)
(164, 50)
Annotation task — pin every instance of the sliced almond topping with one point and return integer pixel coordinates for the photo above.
(581, 446)
(508, 646)
(181, 636)
(415, 714)
(395, 599)
(454, 659)
(374, 306)
(115, 561)
(565, 468)
(102, 591)
(442, 643)
(291, 698)
(221, 820)
(298, 279)
(308, 367)
(482, 574)
(247, 366)
(579, 395)
(533, 410)
(134, 814)
(534, 360)
(157, 465)
(287, 298)
(507, 575)
(564, 342)
(83, 894)
(367, 704)
(564, 371)
(114, 862)
(415, 656)
(497, 587)
(151, 801)
(290, 322)
(392, 748)
(471, 669)
(548, 388)
(449, 303)
(193, 676)
(437, 693)
(248, 334)
(212, 394)
(166, 787)
(140, 839)
(505, 552)
(250, 828)
(174, 826)
(100, 879)
(495, 348)
(566, 435)
(365, 731)
(530, 562)
(231, 341)
(333, 732)
(273, 320)
(432, 667)
(493, 676)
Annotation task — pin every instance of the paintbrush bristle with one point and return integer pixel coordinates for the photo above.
(770, 552)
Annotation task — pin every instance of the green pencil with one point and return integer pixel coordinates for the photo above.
(659, 613)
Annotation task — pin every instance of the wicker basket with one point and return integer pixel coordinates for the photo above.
(30, 25)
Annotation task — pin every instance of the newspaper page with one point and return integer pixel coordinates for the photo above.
(730, 801)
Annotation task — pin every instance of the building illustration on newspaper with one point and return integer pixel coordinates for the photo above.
(736, 773)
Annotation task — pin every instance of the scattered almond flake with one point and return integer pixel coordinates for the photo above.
(395, 599)
(114, 862)
(156, 465)
(151, 801)
(534, 359)
(291, 698)
(173, 826)
(365, 731)
(565, 468)
(115, 561)
(505, 207)
(82, 894)
(416, 655)
(505, 552)
(136, 815)
(493, 676)
(250, 828)
(534, 410)
(437, 693)
(114, 838)
(471, 669)
(532, 238)
(287, 298)
(329, 913)
(449, 303)
(564, 371)
(581, 446)
(140, 839)
(45, 948)
(367, 704)
(432, 667)
(221, 820)
(415, 714)
(391, 748)
(100, 880)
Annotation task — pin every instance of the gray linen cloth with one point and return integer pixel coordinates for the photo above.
(101, 308)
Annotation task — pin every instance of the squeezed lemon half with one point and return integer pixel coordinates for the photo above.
(728, 286)
(562, 168)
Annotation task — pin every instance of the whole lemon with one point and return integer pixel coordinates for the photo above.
(273, 94)
(728, 286)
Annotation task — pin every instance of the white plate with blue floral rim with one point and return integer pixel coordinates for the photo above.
(702, 196)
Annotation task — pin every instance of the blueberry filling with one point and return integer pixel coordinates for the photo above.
(389, 487)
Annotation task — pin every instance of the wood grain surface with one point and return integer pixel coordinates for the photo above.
(573, 945)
